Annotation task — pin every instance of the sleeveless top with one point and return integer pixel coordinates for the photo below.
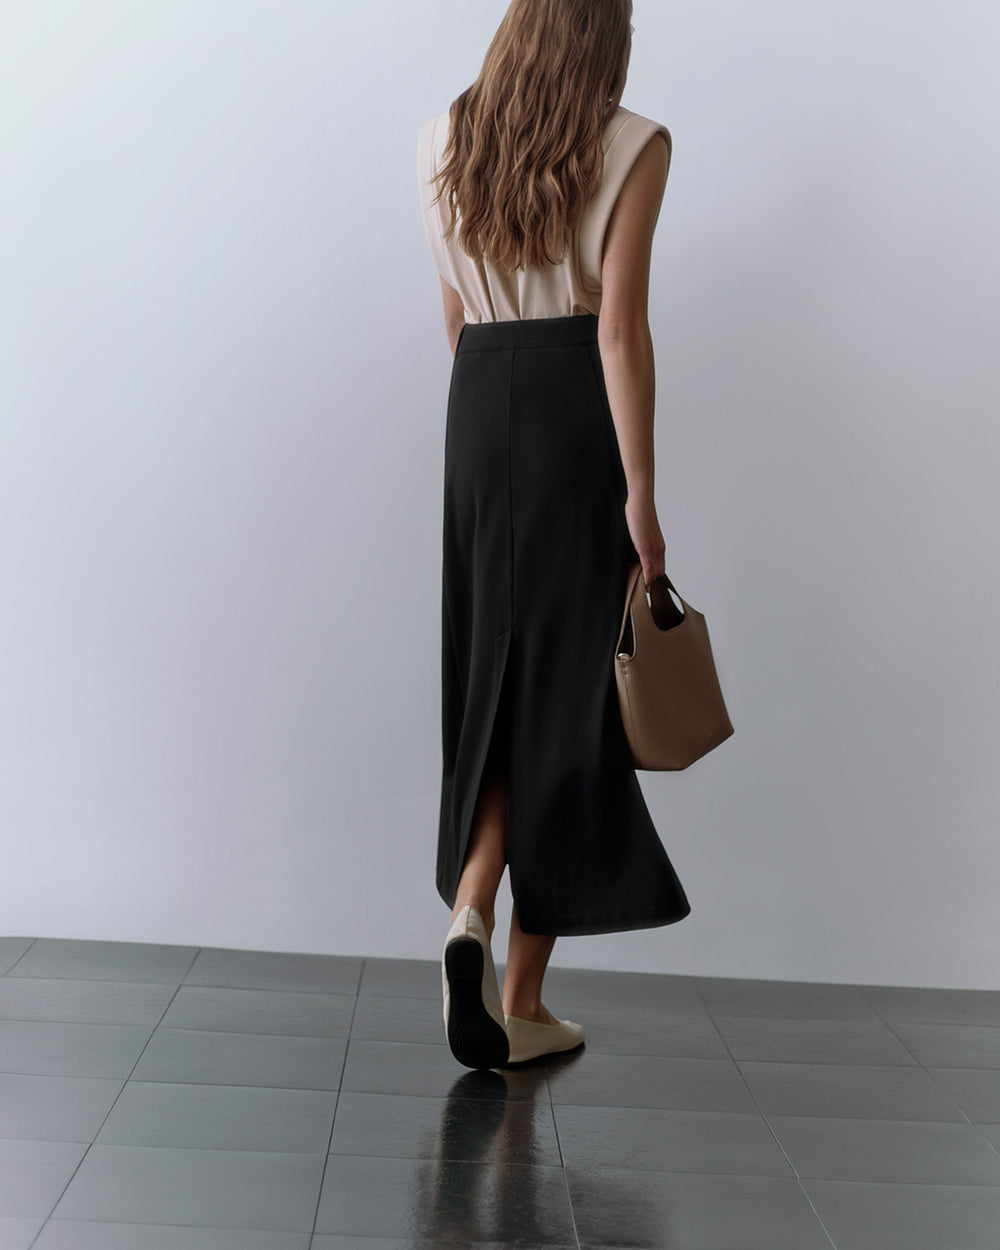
(554, 290)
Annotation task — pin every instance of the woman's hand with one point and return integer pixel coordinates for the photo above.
(644, 529)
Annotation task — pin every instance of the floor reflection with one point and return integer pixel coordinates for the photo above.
(493, 1177)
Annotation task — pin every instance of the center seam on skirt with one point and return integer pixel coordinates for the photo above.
(510, 494)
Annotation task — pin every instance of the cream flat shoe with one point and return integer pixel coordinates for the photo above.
(530, 1038)
(473, 1009)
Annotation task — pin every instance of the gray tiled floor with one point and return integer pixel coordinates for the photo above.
(177, 1098)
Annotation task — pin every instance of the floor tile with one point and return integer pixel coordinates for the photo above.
(18, 1234)
(951, 1045)
(330, 1241)
(975, 1090)
(227, 1010)
(33, 1174)
(430, 1071)
(54, 1108)
(805, 1000)
(699, 1113)
(625, 1031)
(217, 1188)
(914, 1152)
(407, 1127)
(445, 1200)
(862, 1216)
(11, 950)
(693, 1211)
(789, 1040)
(105, 961)
(942, 1006)
(656, 1140)
(101, 1050)
(637, 991)
(200, 1056)
(398, 1019)
(221, 1117)
(403, 978)
(642, 1081)
(271, 970)
(99, 1235)
(991, 1132)
(860, 1091)
(83, 1002)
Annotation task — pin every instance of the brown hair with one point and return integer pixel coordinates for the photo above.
(524, 151)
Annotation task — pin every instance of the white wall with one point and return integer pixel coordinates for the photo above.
(224, 374)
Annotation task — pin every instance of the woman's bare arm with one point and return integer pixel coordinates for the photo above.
(626, 345)
(454, 313)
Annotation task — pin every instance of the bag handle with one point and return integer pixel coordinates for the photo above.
(665, 613)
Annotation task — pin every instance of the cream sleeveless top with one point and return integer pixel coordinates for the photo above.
(556, 290)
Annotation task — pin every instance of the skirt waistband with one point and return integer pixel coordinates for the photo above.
(479, 336)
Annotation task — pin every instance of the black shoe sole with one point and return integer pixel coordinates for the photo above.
(474, 1036)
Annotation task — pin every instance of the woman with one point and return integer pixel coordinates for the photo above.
(540, 195)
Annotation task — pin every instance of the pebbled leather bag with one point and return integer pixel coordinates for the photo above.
(668, 690)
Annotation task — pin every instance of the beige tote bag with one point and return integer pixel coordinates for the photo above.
(668, 689)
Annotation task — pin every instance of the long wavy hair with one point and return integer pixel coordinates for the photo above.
(524, 152)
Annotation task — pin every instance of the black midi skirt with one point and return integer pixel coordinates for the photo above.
(535, 555)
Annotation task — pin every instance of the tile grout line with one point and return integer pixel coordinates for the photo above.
(336, 1105)
(114, 1103)
(562, 1162)
(21, 956)
(918, 1061)
(763, 1116)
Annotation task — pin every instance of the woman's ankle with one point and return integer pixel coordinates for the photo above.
(528, 1011)
(519, 1004)
(484, 909)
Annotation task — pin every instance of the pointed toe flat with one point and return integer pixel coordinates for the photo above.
(529, 1039)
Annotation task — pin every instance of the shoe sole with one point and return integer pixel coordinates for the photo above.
(542, 1054)
(474, 1036)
